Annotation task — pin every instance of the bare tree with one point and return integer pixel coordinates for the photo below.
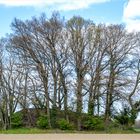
(79, 37)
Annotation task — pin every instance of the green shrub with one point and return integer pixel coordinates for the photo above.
(42, 122)
(94, 123)
(54, 116)
(16, 120)
(126, 118)
(65, 125)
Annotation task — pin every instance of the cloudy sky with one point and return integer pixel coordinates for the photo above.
(100, 11)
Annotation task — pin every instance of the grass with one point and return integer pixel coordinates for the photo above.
(118, 131)
(23, 131)
(45, 131)
(137, 130)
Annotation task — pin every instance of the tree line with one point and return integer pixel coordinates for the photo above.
(74, 65)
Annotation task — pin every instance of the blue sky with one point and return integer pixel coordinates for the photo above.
(100, 11)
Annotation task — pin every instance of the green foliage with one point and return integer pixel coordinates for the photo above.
(65, 125)
(133, 116)
(42, 122)
(1, 125)
(16, 120)
(126, 118)
(54, 116)
(94, 123)
(123, 118)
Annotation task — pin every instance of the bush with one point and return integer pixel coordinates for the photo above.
(94, 123)
(54, 116)
(126, 118)
(65, 125)
(42, 122)
(16, 120)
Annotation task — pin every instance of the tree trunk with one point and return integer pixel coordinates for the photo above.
(79, 101)
(110, 90)
(44, 75)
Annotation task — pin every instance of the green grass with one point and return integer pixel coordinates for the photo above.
(118, 131)
(23, 131)
(45, 131)
(137, 130)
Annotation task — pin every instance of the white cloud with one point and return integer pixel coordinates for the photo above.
(59, 4)
(21, 2)
(131, 15)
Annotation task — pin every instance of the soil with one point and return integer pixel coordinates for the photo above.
(70, 137)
